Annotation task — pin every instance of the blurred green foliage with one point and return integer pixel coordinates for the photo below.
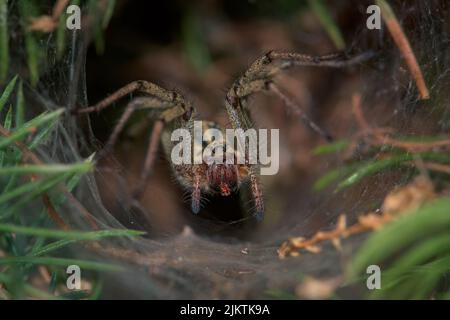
(413, 251)
(24, 240)
(39, 46)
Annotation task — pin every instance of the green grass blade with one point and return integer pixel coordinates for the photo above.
(421, 253)
(4, 41)
(99, 41)
(426, 221)
(194, 46)
(68, 235)
(8, 119)
(81, 167)
(108, 13)
(326, 19)
(31, 189)
(334, 147)
(332, 176)
(52, 247)
(61, 36)
(7, 126)
(379, 165)
(7, 92)
(27, 11)
(20, 106)
(31, 125)
(39, 294)
(43, 134)
(63, 262)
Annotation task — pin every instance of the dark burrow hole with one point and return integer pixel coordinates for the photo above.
(221, 218)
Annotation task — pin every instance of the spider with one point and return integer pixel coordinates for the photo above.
(174, 111)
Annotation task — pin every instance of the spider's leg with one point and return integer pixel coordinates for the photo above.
(132, 106)
(257, 195)
(298, 111)
(334, 60)
(259, 78)
(150, 158)
(177, 110)
(170, 104)
(140, 86)
(195, 196)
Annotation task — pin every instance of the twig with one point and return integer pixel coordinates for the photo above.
(395, 203)
(404, 46)
(54, 215)
(437, 167)
(413, 146)
(380, 136)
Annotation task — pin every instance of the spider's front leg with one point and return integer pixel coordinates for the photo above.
(259, 78)
(170, 106)
(257, 194)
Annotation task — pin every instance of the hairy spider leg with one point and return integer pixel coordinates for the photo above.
(172, 106)
(259, 78)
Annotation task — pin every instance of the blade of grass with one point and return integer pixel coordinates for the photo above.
(68, 235)
(4, 40)
(96, 291)
(76, 295)
(99, 40)
(40, 189)
(425, 221)
(31, 125)
(332, 176)
(20, 106)
(421, 253)
(331, 147)
(61, 36)
(31, 189)
(7, 92)
(63, 262)
(379, 165)
(28, 11)
(7, 125)
(52, 247)
(39, 294)
(416, 283)
(196, 50)
(410, 267)
(108, 13)
(43, 134)
(326, 19)
(81, 167)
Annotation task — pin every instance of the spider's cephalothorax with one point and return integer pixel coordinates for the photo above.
(173, 111)
(213, 178)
